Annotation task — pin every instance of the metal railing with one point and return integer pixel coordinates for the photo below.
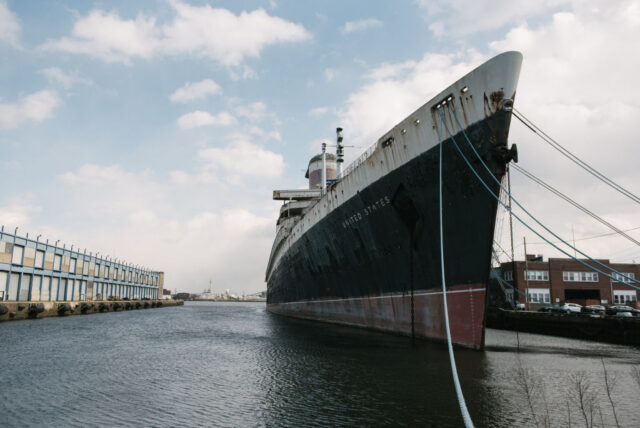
(359, 160)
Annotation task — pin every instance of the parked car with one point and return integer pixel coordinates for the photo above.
(593, 309)
(553, 309)
(572, 307)
(520, 306)
(617, 309)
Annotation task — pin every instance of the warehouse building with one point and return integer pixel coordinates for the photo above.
(560, 280)
(31, 270)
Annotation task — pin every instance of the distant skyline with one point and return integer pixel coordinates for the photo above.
(155, 131)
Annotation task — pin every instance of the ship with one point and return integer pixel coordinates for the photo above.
(361, 246)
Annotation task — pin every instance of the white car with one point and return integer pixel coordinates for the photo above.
(572, 307)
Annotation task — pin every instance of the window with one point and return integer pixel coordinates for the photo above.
(106, 271)
(508, 275)
(539, 295)
(48, 260)
(96, 270)
(65, 263)
(40, 259)
(18, 251)
(35, 288)
(29, 256)
(80, 267)
(72, 266)
(621, 297)
(536, 275)
(6, 249)
(24, 287)
(85, 268)
(46, 283)
(580, 276)
(55, 283)
(57, 262)
(620, 277)
(14, 280)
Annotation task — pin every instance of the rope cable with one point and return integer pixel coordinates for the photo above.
(537, 221)
(463, 406)
(582, 164)
(574, 203)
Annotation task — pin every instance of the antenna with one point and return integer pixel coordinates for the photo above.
(339, 152)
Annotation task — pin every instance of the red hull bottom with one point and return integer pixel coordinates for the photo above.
(392, 313)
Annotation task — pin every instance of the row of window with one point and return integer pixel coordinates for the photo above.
(543, 275)
(542, 295)
(27, 287)
(30, 257)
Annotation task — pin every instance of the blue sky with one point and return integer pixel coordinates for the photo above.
(156, 130)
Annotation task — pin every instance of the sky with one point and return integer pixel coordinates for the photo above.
(155, 131)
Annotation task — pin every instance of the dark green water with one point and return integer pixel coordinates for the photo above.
(234, 364)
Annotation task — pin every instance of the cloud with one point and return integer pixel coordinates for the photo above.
(9, 25)
(254, 111)
(318, 111)
(195, 91)
(18, 213)
(200, 31)
(66, 80)
(361, 25)
(244, 158)
(461, 17)
(92, 173)
(35, 107)
(200, 118)
(330, 74)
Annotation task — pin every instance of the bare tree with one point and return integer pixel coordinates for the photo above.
(609, 384)
(529, 386)
(635, 374)
(582, 393)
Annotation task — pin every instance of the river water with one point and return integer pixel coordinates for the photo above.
(237, 365)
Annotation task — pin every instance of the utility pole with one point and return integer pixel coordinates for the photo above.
(513, 257)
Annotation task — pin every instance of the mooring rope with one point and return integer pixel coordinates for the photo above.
(463, 405)
(618, 279)
(575, 159)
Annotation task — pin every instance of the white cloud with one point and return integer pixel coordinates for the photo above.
(199, 118)
(244, 158)
(35, 107)
(66, 80)
(195, 91)
(255, 111)
(330, 74)
(318, 111)
(96, 174)
(361, 25)
(9, 25)
(202, 31)
(460, 17)
(17, 213)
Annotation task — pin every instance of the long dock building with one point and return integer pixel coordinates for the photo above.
(31, 270)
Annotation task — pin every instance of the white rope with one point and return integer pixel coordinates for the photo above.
(463, 405)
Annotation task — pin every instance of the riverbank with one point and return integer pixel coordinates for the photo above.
(10, 311)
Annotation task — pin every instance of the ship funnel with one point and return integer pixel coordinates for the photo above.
(339, 152)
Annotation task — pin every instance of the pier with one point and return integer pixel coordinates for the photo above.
(10, 311)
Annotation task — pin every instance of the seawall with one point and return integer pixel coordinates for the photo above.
(625, 331)
(10, 311)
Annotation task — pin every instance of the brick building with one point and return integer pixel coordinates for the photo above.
(560, 280)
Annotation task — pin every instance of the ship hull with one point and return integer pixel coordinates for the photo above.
(359, 264)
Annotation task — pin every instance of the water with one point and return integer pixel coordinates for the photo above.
(234, 364)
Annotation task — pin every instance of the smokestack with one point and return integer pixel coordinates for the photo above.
(324, 168)
(339, 152)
